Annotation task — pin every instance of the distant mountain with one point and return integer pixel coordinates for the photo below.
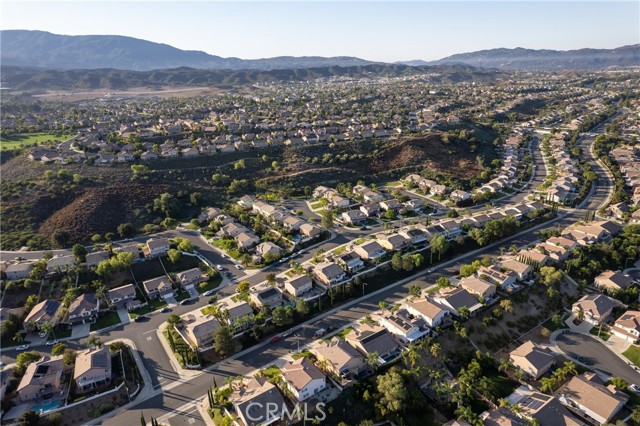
(52, 51)
(413, 63)
(529, 59)
(33, 79)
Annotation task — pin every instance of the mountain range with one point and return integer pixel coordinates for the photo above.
(42, 49)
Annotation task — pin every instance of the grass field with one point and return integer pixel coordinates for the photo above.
(106, 320)
(14, 141)
(633, 354)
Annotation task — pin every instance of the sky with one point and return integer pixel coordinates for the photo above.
(374, 30)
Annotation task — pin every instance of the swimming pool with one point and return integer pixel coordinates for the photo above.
(46, 407)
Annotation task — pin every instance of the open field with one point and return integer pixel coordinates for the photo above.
(14, 141)
(68, 96)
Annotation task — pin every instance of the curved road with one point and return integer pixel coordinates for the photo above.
(598, 356)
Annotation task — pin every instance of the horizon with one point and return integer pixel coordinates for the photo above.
(380, 33)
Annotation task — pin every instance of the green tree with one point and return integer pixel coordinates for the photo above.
(25, 358)
(94, 341)
(125, 230)
(80, 252)
(439, 244)
(443, 282)
(620, 383)
(282, 316)
(407, 263)
(243, 287)
(327, 219)
(396, 261)
(174, 256)
(223, 341)
(30, 418)
(58, 349)
(184, 244)
(60, 238)
(173, 319)
(392, 392)
(507, 305)
(239, 165)
(415, 290)
(302, 307)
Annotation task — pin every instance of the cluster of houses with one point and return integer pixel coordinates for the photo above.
(566, 171)
(507, 175)
(48, 378)
(627, 160)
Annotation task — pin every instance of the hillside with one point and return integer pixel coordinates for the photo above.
(46, 50)
(25, 79)
(530, 59)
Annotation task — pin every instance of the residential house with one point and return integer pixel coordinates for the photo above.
(329, 273)
(83, 309)
(546, 410)
(42, 379)
(493, 273)
(309, 230)
(303, 378)
(393, 242)
(298, 285)
(371, 250)
(45, 311)
(456, 299)
(370, 210)
(532, 359)
(432, 313)
(352, 217)
(340, 358)
(369, 339)
(208, 214)
(249, 401)
(92, 369)
(521, 269)
(157, 246)
(628, 326)
(391, 204)
(191, 277)
(233, 229)
(62, 263)
(405, 329)
(414, 235)
(292, 223)
(614, 281)
(372, 197)
(159, 287)
(93, 259)
(18, 271)
(199, 330)
(130, 248)
(594, 308)
(270, 297)
(246, 240)
(479, 287)
(458, 195)
(269, 249)
(350, 262)
(120, 295)
(237, 310)
(533, 257)
(589, 394)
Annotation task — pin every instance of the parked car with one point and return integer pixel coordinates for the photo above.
(208, 293)
(51, 342)
(635, 388)
(287, 333)
(185, 302)
(239, 267)
(320, 332)
(43, 334)
(166, 309)
(22, 348)
(219, 268)
(275, 339)
(141, 318)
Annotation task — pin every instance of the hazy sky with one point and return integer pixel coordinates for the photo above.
(375, 30)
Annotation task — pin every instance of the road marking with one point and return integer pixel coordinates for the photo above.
(147, 332)
(149, 337)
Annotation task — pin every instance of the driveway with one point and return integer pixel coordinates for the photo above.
(79, 331)
(124, 316)
(598, 355)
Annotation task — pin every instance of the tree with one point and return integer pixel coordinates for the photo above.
(25, 358)
(173, 319)
(239, 165)
(184, 245)
(550, 276)
(167, 204)
(407, 263)
(373, 360)
(243, 287)
(302, 307)
(125, 230)
(282, 316)
(60, 238)
(80, 252)
(58, 349)
(223, 341)
(507, 305)
(443, 282)
(635, 414)
(439, 244)
(396, 261)
(393, 392)
(47, 327)
(174, 256)
(327, 219)
(94, 341)
(30, 418)
(391, 214)
(415, 290)
(620, 383)
(271, 278)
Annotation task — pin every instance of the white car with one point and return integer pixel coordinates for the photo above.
(208, 293)
(635, 388)
(43, 334)
(22, 348)
(51, 342)
(219, 268)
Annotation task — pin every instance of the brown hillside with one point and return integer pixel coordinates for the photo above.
(100, 210)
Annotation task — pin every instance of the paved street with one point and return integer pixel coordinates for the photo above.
(597, 355)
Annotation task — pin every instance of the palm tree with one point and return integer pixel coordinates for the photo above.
(505, 365)
(47, 327)
(435, 350)
(547, 384)
(373, 359)
(570, 367)
(412, 355)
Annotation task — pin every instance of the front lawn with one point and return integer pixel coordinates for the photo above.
(154, 305)
(228, 246)
(601, 334)
(183, 295)
(106, 320)
(340, 250)
(633, 354)
(212, 283)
